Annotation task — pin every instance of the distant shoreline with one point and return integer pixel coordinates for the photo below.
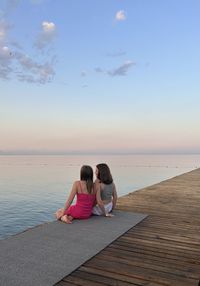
(92, 153)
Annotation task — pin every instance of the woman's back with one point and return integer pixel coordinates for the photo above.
(85, 202)
(106, 191)
(84, 198)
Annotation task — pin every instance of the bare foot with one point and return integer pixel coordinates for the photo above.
(109, 215)
(59, 213)
(66, 219)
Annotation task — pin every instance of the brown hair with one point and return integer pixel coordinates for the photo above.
(86, 174)
(104, 174)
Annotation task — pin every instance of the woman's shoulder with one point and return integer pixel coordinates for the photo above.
(109, 185)
(76, 183)
(97, 183)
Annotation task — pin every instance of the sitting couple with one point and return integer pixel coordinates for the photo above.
(98, 198)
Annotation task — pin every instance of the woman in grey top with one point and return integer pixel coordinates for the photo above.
(106, 194)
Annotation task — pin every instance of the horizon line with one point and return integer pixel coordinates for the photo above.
(62, 153)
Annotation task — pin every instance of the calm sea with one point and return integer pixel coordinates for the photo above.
(33, 187)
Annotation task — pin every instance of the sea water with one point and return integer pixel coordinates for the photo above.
(32, 188)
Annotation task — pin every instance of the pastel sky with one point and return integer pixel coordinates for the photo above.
(100, 76)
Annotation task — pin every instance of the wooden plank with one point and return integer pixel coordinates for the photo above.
(158, 253)
(164, 249)
(64, 283)
(140, 272)
(75, 280)
(103, 280)
(153, 259)
(121, 278)
(163, 265)
(166, 244)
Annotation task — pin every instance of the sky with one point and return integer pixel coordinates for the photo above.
(99, 76)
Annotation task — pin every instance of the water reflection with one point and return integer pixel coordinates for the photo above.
(33, 187)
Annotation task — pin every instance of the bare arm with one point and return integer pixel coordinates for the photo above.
(114, 201)
(71, 196)
(98, 198)
(59, 213)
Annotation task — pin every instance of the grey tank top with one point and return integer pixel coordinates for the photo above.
(106, 192)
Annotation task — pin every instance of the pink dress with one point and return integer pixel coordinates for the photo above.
(83, 207)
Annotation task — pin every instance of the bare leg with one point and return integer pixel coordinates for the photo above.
(67, 219)
(59, 214)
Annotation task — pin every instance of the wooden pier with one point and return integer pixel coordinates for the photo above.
(164, 249)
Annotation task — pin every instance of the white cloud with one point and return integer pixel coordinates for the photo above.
(14, 63)
(116, 54)
(120, 15)
(5, 53)
(5, 62)
(4, 27)
(98, 70)
(35, 72)
(47, 35)
(46, 72)
(2, 34)
(121, 70)
(83, 73)
(24, 68)
(5, 72)
(48, 27)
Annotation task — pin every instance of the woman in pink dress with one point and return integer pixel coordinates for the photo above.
(86, 195)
